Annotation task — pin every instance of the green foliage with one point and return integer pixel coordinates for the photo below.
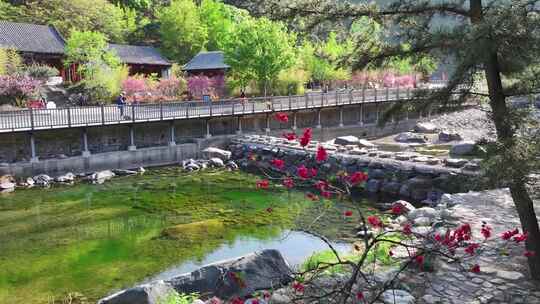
(40, 71)
(9, 12)
(322, 59)
(90, 51)
(219, 20)
(292, 81)
(81, 15)
(183, 34)
(322, 258)
(260, 49)
(179, 298)
(11, 62)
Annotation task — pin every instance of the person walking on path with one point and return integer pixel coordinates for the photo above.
(121, 102)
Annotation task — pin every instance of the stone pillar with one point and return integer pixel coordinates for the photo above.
(361, 120)
(319, 126)
(85, 150)
(172, 134)
(294, 121)
(208, 135)
(267, 130)
(34, 158)
(239, 130)
(341, 117)
(132, 146)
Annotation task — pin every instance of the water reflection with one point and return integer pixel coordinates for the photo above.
(294, 246)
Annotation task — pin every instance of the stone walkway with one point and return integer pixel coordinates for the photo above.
(503, 279)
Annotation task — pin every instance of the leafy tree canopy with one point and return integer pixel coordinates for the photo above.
(182, 32)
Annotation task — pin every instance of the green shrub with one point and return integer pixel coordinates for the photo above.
(179, 298)
(292, 82)
(40, 71)
(11, 62)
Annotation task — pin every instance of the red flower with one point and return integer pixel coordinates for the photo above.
(290, 136)
(520, 237)
(472, 248)
(313, 172)
(278, 163)
(321, 185)
(359, 295)
(463, 233)
(407, 229)
(509, 234)
(269, 209)
(214, 300)
(255, 301)
(348, 213)
(529, 254)
(288, 182)
(374, 221)
(419, 259)
(322, 155)
(326, 194)
(312, 196)
(438, 238)
(357, 177)
(475, 268)
(306, 137)
(263, 184)
(237, 300)
(282, 117)
(486, 231)
(398, 208)
(303, 172)
(298, 287)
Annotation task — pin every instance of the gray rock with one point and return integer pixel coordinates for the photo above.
(366, 143)
(280, 297)
(391, 187)
(420, 182)
(217, 162)
(152, 293)
(231, 165)
(192, 167)
(510, 275)
(7, 187)
(121, 172)
(409, 137)
(65, 178)
(373, 185)
(100, 177)
(212, 152)
(427, 212)
(346, 140)
(397, 296)
(42, 180)
(455, 162)
(426, 127)
(141, 170)
(266, 269)
(422, 221)
(446, 136)
(406, 205)
(27, 182)
(7, 179)
(430, 299)
(463, 148)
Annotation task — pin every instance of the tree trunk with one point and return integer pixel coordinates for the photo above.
(505, 135)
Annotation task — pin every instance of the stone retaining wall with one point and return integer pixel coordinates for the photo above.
(405, 176)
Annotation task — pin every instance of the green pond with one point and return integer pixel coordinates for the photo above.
(90, 240)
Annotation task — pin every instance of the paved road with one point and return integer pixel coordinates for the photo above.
(25, 120)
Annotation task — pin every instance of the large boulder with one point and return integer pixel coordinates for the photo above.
(212, 152)
(425, 127)
(217, 162)
(7, 179)
(100, 177)
(463, 148)
(426, 212)
(446, 136)
(239, 277)
(122, 172)
(152, 293)
(7, 187)
(346, 140)
(42, 180)
(366, 143)
(409, 137)
(65, 178)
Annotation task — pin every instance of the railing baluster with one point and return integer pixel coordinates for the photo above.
(102, 108)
